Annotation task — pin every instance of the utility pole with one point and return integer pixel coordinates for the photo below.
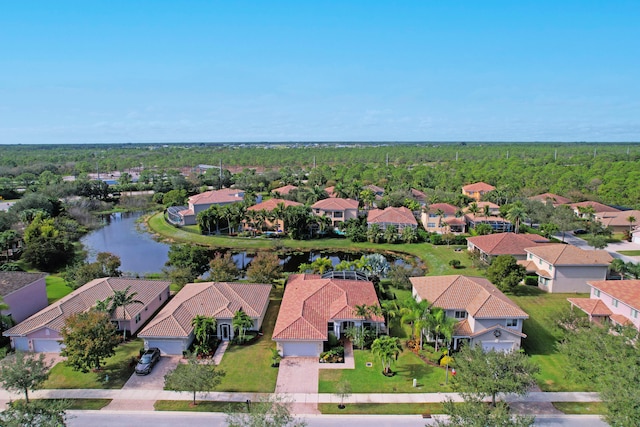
(555, 155)
(220, 180)
(456, 156)
(387, 159)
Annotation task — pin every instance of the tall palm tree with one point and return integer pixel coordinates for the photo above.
(123, 298)
(486, 212)
(203, 326)
(631, 219)
(387, 349)
(241, 322)
(516, 215)
(440, 324)
(474, 208)
(440, 214)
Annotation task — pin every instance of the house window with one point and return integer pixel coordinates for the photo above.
(550, 267)
(512, 322)
(596, 292)
(431, 224)
(634, 313)
(330, 327)
(460, 314)
(160, 297)
(543, 281)
(614, 302)
(138, 317)
(530, 256)
(337, 214)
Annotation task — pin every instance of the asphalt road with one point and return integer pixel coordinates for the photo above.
(195, 419)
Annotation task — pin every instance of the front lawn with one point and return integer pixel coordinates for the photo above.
(581, 408)
(365, 379)
(83, 404)
(543, 335)
(56, 288)
(248, 367)
(629, 253)
(382, 408)
(201, 406)
(118, 370)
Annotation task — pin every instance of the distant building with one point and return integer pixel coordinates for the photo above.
(203, 201)
(337, 209)
(477, 190)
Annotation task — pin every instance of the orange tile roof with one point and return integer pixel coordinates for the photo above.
(478, 186)
(335, 204)
(271, 204)
(212, 299)
(85, 297)
(392, 215)
(553, 198)
(621, 319)
(418, 195)
(444, 207)
(226, 195)
(491, 205)
(627, 291)
(310, 302)
(618, 218)
(476, 295)
(506, 243)
(597, 207)
(593, 307)
(561, 254)
(284, 190)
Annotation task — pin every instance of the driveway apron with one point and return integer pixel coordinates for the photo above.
(298, 375)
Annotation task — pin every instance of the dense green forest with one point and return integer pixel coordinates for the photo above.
(608, 173)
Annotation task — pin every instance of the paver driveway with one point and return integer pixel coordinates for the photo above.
(155, 379)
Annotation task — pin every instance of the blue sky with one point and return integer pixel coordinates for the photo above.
(169, 71)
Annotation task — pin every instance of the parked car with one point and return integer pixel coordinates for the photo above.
(148, 359)
(580, 231)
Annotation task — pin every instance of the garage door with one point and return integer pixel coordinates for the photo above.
(174, 347)
(300, 349)
(46, 346)
(504, 346)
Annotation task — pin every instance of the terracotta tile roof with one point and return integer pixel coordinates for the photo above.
(621, 319)
(330, 191)
(618, 218)
(444, 207)
(11, 281)
(627, 291)
(226, 195)
(480, 218)
(271, 204)
(550, 197)
(283, 191)
(391, 215)
(491, 205)
(476, 295)
(597, 207)
(418, 195)
(85, 297)
(561, 254)
(506, 243)
(310, 302)
(478, 186)
(212, 299)
(593, 307)
(455, 221)
(374, 188)
(335, 204)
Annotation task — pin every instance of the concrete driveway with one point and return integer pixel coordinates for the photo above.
(154, 380)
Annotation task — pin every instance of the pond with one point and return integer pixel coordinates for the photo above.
(140, 254)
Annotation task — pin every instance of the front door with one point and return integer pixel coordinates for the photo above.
(225, 332)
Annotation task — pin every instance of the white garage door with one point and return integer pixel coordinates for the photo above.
(174, 347)
(497, 346)
(300, 349)
(46, 346)
(21, 343)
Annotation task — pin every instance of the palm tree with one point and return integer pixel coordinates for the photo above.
(203, 326)
(387, 349)
(516, 214)
(368, 197)
(374, 233)
(440, 324)
(474, 209)
(440, 214)
(391, 233)
(241, 322)
(103, 305)
(631, 219)
(486, 212)
(123, 298)
(7, 239)
(618, 266)
(409, 234)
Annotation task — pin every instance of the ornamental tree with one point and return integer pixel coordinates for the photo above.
(24, 372)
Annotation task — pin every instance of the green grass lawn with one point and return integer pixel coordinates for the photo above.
(543, 335)
(365, 379)
(201, 406)
(382, 408)
(581, 408)
(117, 368)
(84, 404)
(248, 367)
(56, 288)
(630, 253)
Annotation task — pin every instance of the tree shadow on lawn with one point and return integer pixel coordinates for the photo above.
(526, 291)
(413, 370)
(539, 340)
(117, 373)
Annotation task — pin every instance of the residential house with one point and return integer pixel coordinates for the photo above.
(400, 217)
(378, 191)
(614, 300)
(485, 315)
(42, 331)
(497, 223)
(313, 306)
(443, 218)
(493, 209)
(419, 196)
(337, 209)
(554, 199)
(203, 201)
(596, 207)
(618, 221)
(24, 293)
(565, 268)
(171, 330)
(477, 190)
(493, 245)
(284, 191)
(268, 206)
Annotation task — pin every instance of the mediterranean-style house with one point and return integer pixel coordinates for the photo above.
(337, 209)
(554, 199)
(314, 306)
(42, 331)
(485, 316)
(497, 223)
(269, 206)
(595, 207)
(284, 191)
(619, 221)
(614, 300)
(400, 217)
(24, 293)
(443, 218)
(492, 245)
(171, 330)
(477, 190)
(565, 268)
(186, 215)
